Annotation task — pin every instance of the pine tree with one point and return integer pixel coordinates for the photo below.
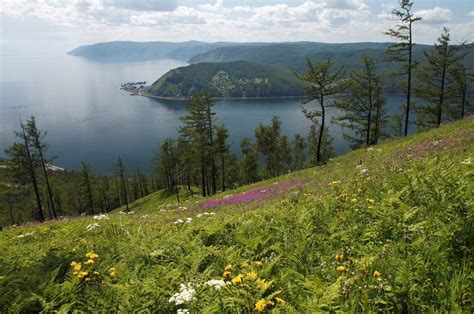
(267, 143)
(321, 82)
(363, 109)
(461, 90)
(327, 149)
(402, 51)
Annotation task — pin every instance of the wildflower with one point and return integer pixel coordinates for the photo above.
(280, 301)
(178, 221)
(377, 274)
(82, 274)
(96, 273)
(100, 217)
(89, 262)
(186, 294)
(260, 305)
(216, 283)
(271, 304)
(252, 275)
(258, 264)
(76, 266)
(245, 264)
(371, 207)
(130, 213)
(341, 268)
(370, 200)
(467, 161)
(340, 258)
(354, 200)
(334, 182)
(237, 280)
(262, 284)
(228, 267)
(92, 255)
(29, 234)
(14, 225)
(183, 311)
(112, 272)
(226, 274)
(189, 220)
(87, 279)
(92, 226)
(198, 215)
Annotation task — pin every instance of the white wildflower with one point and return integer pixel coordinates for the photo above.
(189, 220)
(263, 191)
(436, 143)
(130, 213)
(186, 294)
(144, 216)
(92, 226)
(182, 208)
(212, 213)
(216, 283)
(29, 234)
(199, 215)
(467, 161)
(100, 217)
(183, 311)
(178, 221)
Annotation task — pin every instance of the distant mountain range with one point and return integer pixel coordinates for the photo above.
(227, 69)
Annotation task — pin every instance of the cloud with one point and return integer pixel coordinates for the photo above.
(471, 13)
(143, 5)
(436, 15)
(346, 4)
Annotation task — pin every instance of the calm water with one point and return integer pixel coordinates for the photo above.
(89, 119)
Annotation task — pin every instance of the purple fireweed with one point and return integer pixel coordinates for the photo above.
(252, 195)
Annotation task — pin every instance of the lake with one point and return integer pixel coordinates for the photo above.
(88, 118)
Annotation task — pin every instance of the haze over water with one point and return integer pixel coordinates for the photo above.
(88, 118)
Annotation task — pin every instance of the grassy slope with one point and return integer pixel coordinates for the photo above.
(408, 216)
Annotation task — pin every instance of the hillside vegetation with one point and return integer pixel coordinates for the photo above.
(388, 228)
(231, 79)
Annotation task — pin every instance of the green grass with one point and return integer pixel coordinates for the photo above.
(398, 217)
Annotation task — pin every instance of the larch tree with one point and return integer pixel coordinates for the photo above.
(86, 185)
(249, 162)
(123, 184)
(461, 90)
(299, 146)
(363, 108)
(435, 81)
(222, 149)
(402, 51)
(321, 82)
(39, 146)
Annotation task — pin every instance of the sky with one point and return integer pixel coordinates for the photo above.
(67, 24)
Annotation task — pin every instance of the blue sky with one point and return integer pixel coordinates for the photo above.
(70, 23)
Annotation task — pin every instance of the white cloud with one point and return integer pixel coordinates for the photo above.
(471, 13)
(143, 5)
(346, 4)
(436, 15)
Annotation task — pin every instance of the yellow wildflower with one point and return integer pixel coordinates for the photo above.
(340, 258)
(73, 263)
(92, 255)
(96, 273)
(112, 272)
(341, 269)
(262, 284)
(87, 279)
(260, 305)
(371, 200)
(226, 274)
(252, 275)
(354, 200)
(89, 262)
(258, 264)
(280, 301)
(377, 274)
(82, 274)
(77, 267)
(271, 304)
(228, 268)
(237, 280)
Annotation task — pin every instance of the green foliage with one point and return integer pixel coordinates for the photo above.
(383, 229)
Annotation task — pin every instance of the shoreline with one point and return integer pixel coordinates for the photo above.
(173, 98)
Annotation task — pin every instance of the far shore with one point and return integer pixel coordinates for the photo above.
(218, 98)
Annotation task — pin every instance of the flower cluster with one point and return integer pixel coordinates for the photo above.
(86, 273)
(100, 217)
(91, 227)
(218, 284)
(186, 294)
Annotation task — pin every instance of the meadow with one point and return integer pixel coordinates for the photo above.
(388, 228)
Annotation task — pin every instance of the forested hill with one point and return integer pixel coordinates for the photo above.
(239, 79)
(123, 51)
(293, 55)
